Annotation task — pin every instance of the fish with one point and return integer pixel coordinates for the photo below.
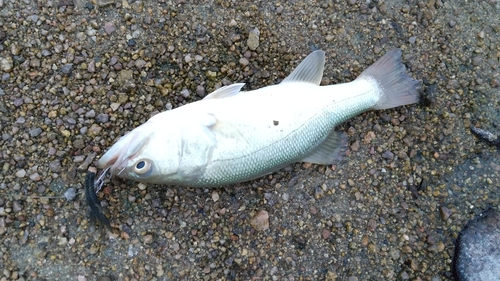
(234, 136)
(95, 214)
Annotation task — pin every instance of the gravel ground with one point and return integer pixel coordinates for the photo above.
(76, 75)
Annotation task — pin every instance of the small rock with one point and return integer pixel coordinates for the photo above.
(200, 91)
(140, 63)
(70, 194)
(102, 118)
(109, 27)
(369, 137)
(355, 145)
(244, 61)
(46, 53)
(104, 3)
(326, 233)
(260, 220)
(124, 76)
(67, 68)
(55, 166)
(388, 155)
(476, 60)
(6, 64)
(142, 186)
(215, 196)
(16, 206)
(21, 173)
(253, 39)
(285, 196)
(35, 132)
(90, 114)
(372, 224)
(115, 105)
(91, 66)
(35, 177)
(95, 130)
(185, 93)
(445, 212)
(15, 49)
(495, 82)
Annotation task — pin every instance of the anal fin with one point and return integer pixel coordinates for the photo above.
(329, 151)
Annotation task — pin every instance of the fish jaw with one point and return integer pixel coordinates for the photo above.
(125, 148)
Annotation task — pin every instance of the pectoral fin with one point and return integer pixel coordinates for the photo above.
(198, 143)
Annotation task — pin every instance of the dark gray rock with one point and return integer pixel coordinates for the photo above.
(477, 250)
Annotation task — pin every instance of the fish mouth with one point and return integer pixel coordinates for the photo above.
(115, 159)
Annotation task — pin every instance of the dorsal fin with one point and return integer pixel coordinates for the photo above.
(309, 70)
(226, 91)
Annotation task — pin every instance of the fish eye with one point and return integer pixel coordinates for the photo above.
(142, 166)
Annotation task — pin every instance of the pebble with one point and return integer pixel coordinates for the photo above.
(102, 118)
(90, 114)
(445, 212)
(260, 221)
(185, 93)
(35, 177)
(200, 91)
(55, 166)
(109, 27)
(131, 43)
(244, 61)
(104, 3)
(476, 60)
(388, 155)
(21, 173)
(253, 39)
(6, 64)
(140, 63)
(35, 132)
(215, 196)
(67, 68)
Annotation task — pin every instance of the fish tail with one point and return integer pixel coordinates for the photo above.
(390, 74)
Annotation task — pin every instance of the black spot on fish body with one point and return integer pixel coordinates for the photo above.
(276, 122)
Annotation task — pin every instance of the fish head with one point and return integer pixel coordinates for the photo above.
(149, 153)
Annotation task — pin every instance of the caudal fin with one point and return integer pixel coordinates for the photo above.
(398, 88)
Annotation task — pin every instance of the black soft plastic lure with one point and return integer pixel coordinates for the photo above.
(95, 213)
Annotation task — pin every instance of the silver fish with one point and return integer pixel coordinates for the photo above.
(234, 136)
